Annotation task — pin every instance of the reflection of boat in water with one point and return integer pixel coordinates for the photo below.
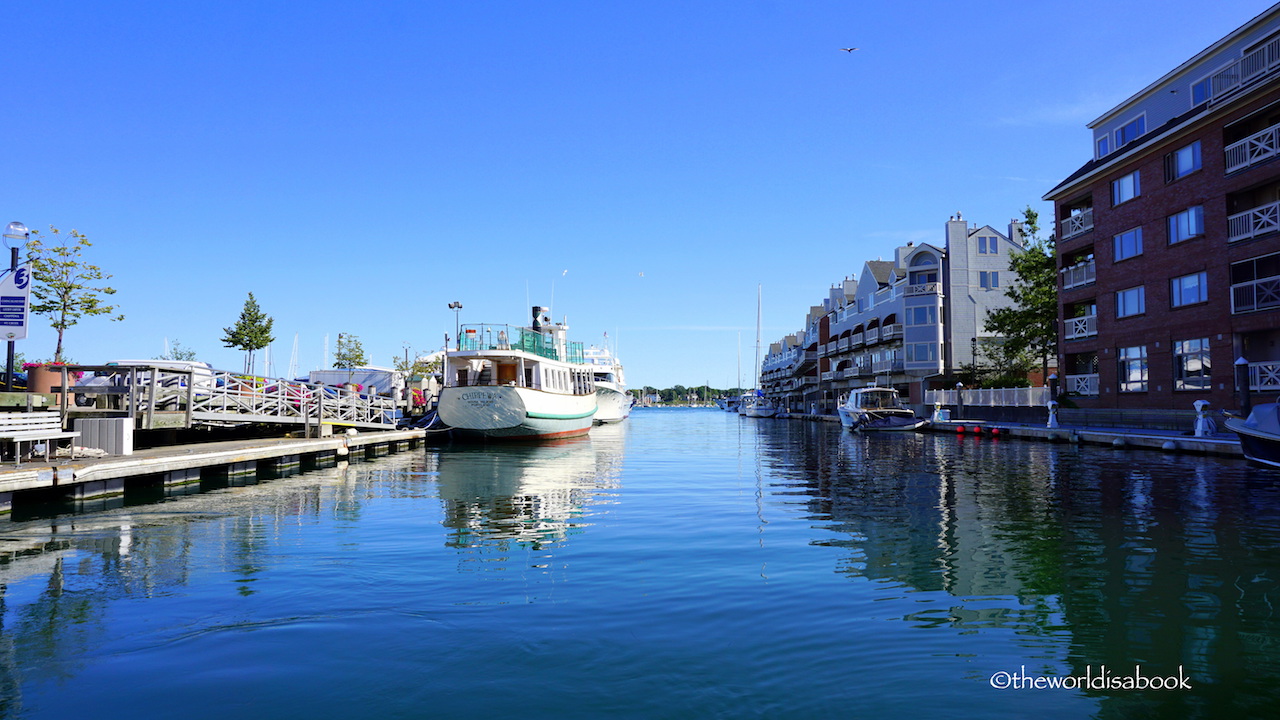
(877, 408)
(523, 493)
(520, 383)
(1259, 433)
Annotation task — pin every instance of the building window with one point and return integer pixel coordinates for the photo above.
(1201, 92)
(927, 315)
(1104, 145)
(1131, 302)
(987, 245)
(989, 280)
(1186, 225)
(1133, 368)
(1188, 289)
(1126, 188)
(922, 352)
(1130, 132)
(1128, 244)
(1182, 162)
(1191, 365)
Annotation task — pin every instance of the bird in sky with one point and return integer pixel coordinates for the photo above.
(848, 49)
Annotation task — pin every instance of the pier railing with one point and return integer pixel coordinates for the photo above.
(168, 398)
(991, 397)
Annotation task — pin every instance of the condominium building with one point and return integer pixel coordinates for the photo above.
(911, 322)
(1168, 239)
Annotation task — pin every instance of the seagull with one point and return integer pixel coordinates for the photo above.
(848, 49)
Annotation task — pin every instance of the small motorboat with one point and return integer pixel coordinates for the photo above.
(1259, 433)
(877, 408)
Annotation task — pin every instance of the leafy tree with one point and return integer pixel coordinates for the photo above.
(251, 333)
(415, 366)
(350, 353)
(65, 287)
(177, 352)
(1030, 327)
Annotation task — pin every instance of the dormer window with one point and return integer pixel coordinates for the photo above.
(1104, 145)
(1131, 131)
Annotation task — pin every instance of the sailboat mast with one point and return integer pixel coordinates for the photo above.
(757, 367)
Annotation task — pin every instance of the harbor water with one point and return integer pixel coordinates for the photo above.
(684, 564)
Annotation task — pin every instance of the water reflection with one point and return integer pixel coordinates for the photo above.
(1122, 558)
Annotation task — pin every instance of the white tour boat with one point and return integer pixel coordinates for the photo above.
(877, 408)
(612, 399)
(503, 381)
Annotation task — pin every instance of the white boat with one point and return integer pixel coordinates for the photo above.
(612, 399)
(1259, 433)
(503, 381)
(877, 408)
(756, 406)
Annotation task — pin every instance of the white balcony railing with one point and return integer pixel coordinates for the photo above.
(1076, 224)
(856, 340)
(1081, 327)
(1264, 376)
(924, 289)
(891, 332)
(1244, 71)
(1261, 294)
(1252, 223)
(1082, 384)
(1254, 149)
(1082, 273)
(873, 336)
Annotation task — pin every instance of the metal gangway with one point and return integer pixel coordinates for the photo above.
(164, 398)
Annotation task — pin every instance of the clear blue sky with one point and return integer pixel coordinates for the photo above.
(358, 166)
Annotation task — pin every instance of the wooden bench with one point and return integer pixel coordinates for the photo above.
(32, 427)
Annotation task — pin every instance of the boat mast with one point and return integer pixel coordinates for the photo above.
(757, 368)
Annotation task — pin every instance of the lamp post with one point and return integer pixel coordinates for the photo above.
(456, 307)
(15, 231)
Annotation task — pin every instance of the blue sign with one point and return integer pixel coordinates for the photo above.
(15, 303)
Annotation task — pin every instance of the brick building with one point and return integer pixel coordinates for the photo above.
(1168, 240)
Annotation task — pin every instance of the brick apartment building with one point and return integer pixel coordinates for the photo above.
(1168, 240)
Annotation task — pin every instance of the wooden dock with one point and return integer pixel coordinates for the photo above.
(85, 478)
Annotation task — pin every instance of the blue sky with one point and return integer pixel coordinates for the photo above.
(641, 165)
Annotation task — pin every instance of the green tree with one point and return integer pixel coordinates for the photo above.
(65, 287)
(251, 333)
(1030, 327)
(177, 352)
(414, 365)
(350, 353)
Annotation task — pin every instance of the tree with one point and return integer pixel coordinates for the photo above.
(177, 352)
(65, 287)
(350, 353)
(413, 365)
(251, 333)
(1030, 327)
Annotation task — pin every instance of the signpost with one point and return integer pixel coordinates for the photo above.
(15, 297)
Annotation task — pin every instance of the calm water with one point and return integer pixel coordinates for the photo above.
(689, 564)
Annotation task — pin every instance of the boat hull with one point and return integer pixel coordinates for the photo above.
(508, 412)
(864, 421)
(612, 406)
(1257, 445)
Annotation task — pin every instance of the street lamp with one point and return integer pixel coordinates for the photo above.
(15, 231)
(456, 307)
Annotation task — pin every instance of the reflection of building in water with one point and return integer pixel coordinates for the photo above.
(497, 496)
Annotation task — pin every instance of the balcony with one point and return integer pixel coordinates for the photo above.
(856, 340)
(924, 289)
(1256, 148)
(1079, 275)
(1081, 327)
(1261, 294)
(1076, 224)
(873, 336)
(1245, 71)
(1252, 223)
(891, 332)
(1264, 376)
(890, 365)
(828, 376)
(1082, 385)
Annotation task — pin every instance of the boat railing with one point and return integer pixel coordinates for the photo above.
(508, 337)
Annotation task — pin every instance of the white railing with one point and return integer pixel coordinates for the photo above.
(1261, 294)
(1252, 223)
(1245, 70)
(1082, 273)
(890, 332)
(1253, 149)
(1082, 384)
(1080, 327)
(991, 397)
(857, 339)
(1264, 376)
(828, 376)
(1076, 224)
(873, 336)
(923, 289)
